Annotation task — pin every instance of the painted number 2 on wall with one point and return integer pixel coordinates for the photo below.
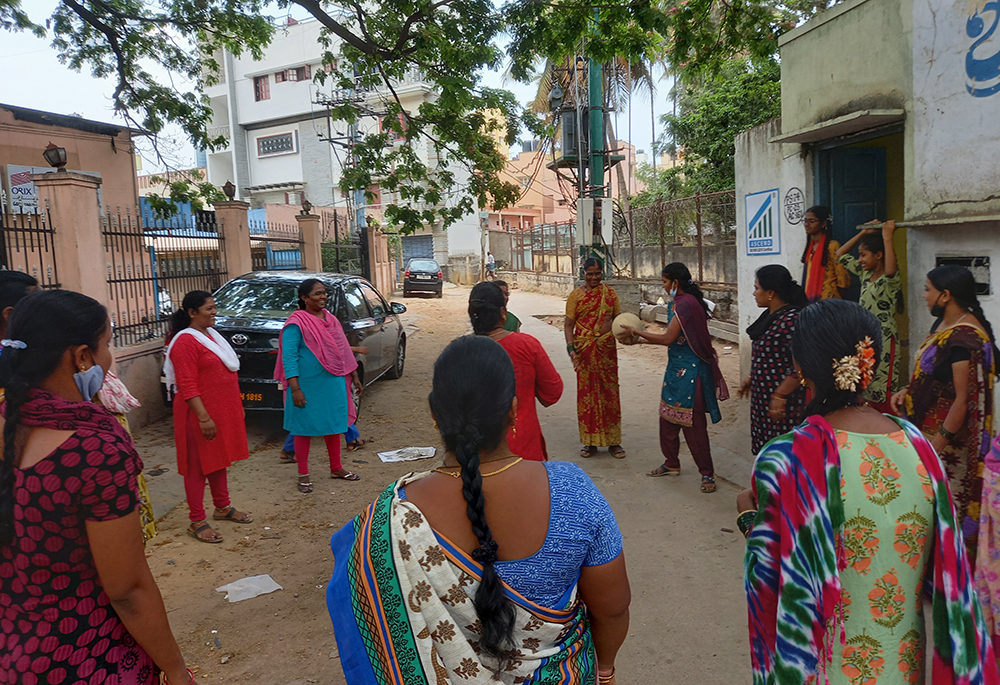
(763, 223)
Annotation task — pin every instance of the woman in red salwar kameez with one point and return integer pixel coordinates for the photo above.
(589, 312)
(536, 377)
(209, 429)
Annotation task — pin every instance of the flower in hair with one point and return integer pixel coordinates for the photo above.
(856, 369)
(15, 344)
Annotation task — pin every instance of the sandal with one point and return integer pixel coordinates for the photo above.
(196, 533)
(347, 476)
(305, 486)
(355, 445)
(617, 451)
(707, 484)
(231, 515)
(663, 470)
(586, 451)
(287, 457)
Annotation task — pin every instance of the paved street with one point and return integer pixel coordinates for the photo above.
(685, 566)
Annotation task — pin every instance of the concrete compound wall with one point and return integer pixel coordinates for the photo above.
(763, 166)
(719, 267)
(139, 369)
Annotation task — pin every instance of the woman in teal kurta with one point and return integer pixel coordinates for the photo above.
(316, 366)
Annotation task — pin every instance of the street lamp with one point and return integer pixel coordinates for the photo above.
(306, 207)
(55, 156)
(229, 189)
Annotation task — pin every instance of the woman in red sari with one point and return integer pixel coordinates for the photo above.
(200, 368)
(536, 376)
(589, 312)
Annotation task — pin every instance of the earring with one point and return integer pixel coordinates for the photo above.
(513, 431)
(802, 380)
(436, 427)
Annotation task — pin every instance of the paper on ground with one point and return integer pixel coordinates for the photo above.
(248, 588)
(408, 454)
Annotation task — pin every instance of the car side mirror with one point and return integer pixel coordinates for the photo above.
(398, 308)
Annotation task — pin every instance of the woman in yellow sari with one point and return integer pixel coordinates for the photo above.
(593, 350)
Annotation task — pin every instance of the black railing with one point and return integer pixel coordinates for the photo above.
(150, 271)
(28, 245)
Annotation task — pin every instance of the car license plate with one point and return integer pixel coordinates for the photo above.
(422, 277)
(252, 396)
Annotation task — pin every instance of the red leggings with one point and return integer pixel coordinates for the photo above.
(194, 482)
(302, 452)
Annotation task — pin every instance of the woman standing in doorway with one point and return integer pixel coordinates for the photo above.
(822, 276)
(594, 352)
(693, 383)
(950, 396)
(314, 363)
(200, 368)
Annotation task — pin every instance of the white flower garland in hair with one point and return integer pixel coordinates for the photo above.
(854, 370)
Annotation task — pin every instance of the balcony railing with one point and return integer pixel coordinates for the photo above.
(216, 131)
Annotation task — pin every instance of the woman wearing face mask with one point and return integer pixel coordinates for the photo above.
(200, 368)
(950, 396)
(79, 602)
(822, 276)
(693, 383)
(592, 349)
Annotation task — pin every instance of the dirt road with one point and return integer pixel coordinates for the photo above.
(685, 563)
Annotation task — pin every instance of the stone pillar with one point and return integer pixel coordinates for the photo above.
(75, 217)
(312, 242)
(234, 227)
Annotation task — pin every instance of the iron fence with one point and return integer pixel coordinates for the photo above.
(702, 221)
(150, 271)
(343, 250)
(27, 245)
(275, 246)
(547, 248)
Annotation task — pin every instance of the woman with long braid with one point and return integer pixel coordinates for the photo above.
(490, 567)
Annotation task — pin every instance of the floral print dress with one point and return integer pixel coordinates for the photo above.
(889, 506)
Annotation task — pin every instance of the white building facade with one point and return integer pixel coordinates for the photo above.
(889, 111)
(285, 148)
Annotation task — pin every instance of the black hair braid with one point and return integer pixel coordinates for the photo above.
(16, 393)
(485, 304)
(977, 311)
(495, 612)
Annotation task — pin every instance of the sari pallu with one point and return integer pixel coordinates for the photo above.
(401, 604)
(795, 555)
(598, 404)
(927, 405)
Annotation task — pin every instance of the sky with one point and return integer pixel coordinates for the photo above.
(33, 77)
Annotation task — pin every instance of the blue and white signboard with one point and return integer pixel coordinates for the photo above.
(763, 223)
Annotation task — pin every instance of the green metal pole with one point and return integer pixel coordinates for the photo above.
(595, 92)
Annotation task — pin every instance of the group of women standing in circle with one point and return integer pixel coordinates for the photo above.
(917, 499)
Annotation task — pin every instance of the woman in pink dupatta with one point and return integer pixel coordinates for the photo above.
(314, 367)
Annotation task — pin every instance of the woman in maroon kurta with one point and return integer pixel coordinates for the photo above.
(536, 376)
(209, 428)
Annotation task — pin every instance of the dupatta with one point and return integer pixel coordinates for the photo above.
(325, 338)
(794, 557)
(694, 325)
(401, 601)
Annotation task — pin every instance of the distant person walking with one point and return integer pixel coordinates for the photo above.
(881, 294)
(315, 366)
(777, 401)
(491, 266)
(209, 428)
(594, 353)
(822, 277)
(693, 384)
(537, 378)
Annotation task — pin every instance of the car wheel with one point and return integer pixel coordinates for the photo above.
(406, 293)
(440, 293)
(397, 368)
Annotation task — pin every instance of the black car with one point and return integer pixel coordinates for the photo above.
(422, 276)
(253, 308)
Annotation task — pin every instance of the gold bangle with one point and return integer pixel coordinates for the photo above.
(606, 678)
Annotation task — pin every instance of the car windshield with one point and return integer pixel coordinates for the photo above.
(257, 299)
(424, 265)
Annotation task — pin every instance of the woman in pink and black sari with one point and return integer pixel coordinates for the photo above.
(489, 568)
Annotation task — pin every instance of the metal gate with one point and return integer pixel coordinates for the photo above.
(417, 247)
(344, 252)
(27, 245)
